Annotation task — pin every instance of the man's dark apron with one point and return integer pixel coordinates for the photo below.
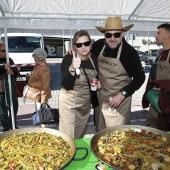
(163, 73)
(113, 77)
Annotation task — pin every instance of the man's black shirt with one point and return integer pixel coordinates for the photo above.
(129, 59)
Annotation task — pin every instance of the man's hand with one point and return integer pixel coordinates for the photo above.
(157, 88)
(10, 72)
(116, 100)
(7, 66)
(69, 51)
(27, 75)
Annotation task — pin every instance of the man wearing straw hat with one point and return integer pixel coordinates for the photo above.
(120, 73)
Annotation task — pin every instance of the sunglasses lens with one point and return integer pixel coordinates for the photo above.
(116, 35)
(87, 43)
(108, 35)
(3, 51)
(79, 45)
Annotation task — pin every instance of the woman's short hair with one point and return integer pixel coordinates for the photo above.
(40, 54)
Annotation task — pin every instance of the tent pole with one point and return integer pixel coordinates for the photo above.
(63, 44)
(148, 42)
(9, 77)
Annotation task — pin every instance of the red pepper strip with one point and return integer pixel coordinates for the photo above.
(37, 161)
(11, 167)
(131, 152)
(36, 141)
(107, 158)
(146, 143)
(130, 146)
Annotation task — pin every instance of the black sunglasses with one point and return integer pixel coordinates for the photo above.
(79, 45)
(3, 51)
(116, 35)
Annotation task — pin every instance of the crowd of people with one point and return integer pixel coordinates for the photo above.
(111, 61)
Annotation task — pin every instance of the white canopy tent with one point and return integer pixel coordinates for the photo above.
(82, 14)
(61, 15)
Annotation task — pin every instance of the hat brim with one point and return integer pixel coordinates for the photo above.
(102, 29)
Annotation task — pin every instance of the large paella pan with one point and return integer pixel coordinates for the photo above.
(131, 147)
(36, 149)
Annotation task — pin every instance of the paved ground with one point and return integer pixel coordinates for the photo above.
(24, 118)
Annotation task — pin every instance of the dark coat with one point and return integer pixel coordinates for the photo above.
(4, 76)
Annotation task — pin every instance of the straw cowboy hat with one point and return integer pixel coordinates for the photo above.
(114, 23)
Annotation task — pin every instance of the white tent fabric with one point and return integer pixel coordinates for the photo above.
(82, 14)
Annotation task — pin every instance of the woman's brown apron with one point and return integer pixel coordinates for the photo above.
(163, 73)
(75, 106)
(113, 77)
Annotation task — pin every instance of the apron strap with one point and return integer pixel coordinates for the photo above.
(101, 52)
(167, 57)
(92, 62)
(119, 51)
(85, 75)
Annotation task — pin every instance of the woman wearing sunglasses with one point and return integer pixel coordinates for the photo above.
(74, 98)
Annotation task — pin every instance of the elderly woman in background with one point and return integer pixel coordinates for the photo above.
(39, 80)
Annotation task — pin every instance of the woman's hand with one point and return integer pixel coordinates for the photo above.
(76, 61)
(98, 84)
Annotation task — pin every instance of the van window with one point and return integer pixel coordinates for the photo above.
(18, 44)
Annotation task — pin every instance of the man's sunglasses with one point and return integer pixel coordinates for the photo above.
(3, 51)
(79, 45)
(116, 35)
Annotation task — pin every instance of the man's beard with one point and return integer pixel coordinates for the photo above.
(115, 46)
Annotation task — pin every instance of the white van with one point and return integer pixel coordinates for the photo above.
(21, 46)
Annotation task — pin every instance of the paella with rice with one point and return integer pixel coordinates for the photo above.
(34, 151)
(133, 150)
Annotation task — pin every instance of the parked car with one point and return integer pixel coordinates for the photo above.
(151, 56)
(141, 56)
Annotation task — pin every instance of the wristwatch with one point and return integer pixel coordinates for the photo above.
(124, 93)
